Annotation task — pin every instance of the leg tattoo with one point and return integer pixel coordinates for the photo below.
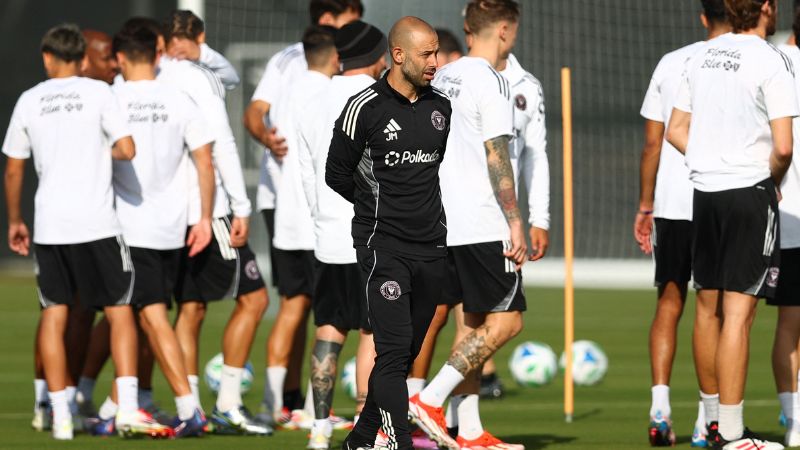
(323, 375)
(473, 351)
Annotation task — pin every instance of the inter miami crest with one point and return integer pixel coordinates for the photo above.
(438, 120)
(521, 102)
(390, 290)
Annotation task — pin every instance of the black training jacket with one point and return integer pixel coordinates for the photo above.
(384, 158)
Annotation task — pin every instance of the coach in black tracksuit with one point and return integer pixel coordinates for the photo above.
(384, 157)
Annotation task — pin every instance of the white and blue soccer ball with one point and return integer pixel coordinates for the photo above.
(213, 373)
(589, 363)
(349, 377)
(533, 364)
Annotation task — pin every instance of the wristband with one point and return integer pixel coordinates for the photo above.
(646, 212)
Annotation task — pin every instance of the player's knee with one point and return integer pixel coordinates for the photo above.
(255, 303)
(192, 312)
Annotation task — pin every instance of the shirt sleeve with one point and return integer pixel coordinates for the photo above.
(780, 96)
(496, 109)
(344, 154)
(535, 166)
(268, 89)
(307, 173)
(17, 143)
(652, 107)
(112, 120)
(196, 132)
(220, 65)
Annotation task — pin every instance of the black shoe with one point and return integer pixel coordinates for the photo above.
(713, 439)
(452, 431)
(491, 387)
(347, 445)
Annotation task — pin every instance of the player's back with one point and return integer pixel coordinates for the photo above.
(69, 125)
(482, 110)
(149, 187)
(737, 84)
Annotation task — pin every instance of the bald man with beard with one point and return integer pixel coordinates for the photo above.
(99, 63)
(384, 158)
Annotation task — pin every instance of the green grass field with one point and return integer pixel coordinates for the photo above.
(612, 415)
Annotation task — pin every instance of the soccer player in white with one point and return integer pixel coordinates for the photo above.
(65, 123)
(478, 180)
(663, 226)
(787, 295)
(337, 303)
(292, 271)
(163, 120)
(733, 120)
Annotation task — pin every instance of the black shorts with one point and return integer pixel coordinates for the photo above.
(338, 298)
(156, 273)
(735, 240)
(269, 221)
(220, 271)
(788, 290)
(99, 272)
(672, 251)
(295, 271)
(484, 279)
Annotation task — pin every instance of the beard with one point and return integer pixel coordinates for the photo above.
(414, 75)
(772, 24)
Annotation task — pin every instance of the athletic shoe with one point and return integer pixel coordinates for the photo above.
(140, 423)
(195, 426)
(42, 417)
(792, 438)
(452, 431)
(340, 423)
(422, 441)
(660, 431)
(712, 436)
(486, 442)
(699, 437)
(237, 421)
(430, 420)
(381, 439)
(300, 419)
(491, 387)
(85, 407)
(749, 441)
(265, 416)
(319, 439)
(63, 431)
(99, 427)
(160, 416)
(347, 445)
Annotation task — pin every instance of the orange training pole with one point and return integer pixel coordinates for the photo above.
(569, 244)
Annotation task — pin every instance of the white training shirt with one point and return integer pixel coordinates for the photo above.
(205, 89)
(674, 191)
(530, 140)
(151, 188)
(790, 187)
(332, 214)
(281, 69)
(734, 86)
(482, 110)
(294, 229)
(219, 65)
(68, 124)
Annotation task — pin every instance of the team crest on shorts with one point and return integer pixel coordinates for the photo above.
(438, 120)
(772, 277)
(251, 270)
(521, 102)
(390, 290)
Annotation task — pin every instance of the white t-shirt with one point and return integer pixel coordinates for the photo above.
(530, 140)
(332, 214)
(281, 69)
(205, 89)
(790, 187)
(150, 188)
(294, 229)
(482, 110)
(68, 125)
(674, 192)
(734, 86)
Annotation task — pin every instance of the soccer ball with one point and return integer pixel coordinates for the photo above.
(213, 374)
(349, 377)
(589, 363)
(533, 364)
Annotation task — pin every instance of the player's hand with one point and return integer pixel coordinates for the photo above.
(239, 231)
(540, 240)
(519, 248)
(642, 230)
(19, 239)
(199, 237)
(276, 143)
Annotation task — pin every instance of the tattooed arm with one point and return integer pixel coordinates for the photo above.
(501, 177)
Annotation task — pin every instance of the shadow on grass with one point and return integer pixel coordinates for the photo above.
(535, 441)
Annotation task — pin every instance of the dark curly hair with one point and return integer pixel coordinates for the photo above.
(714, 10)
(744, 14)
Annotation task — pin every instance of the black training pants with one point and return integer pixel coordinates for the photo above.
(402, 295)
